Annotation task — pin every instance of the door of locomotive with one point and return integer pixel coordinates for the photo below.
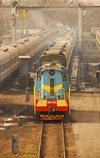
(51, 86)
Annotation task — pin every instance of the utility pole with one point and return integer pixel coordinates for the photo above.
(13, 12)
(80, 25)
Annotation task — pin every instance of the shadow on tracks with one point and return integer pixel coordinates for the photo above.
(81, 116)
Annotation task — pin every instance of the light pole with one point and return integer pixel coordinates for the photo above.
(13, 12)
(80, 25)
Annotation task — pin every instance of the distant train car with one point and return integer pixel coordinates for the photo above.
(98, 37)
(9, 54)
(53, 55)
(52, 87)
(98, 72)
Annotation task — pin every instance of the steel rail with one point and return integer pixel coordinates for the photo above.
(41, 138)
(63, 137)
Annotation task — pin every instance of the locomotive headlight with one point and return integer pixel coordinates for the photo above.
(52, 109)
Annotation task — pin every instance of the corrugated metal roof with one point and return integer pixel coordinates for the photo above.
(50, 66)
(52, 52)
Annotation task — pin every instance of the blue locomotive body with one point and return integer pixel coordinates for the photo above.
(52, 83)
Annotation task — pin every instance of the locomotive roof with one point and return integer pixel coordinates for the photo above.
(59, 45)
(53, 52)
(51, 65)
(61, 41)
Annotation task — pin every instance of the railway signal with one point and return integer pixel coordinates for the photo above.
(22, 14)
(98, 74)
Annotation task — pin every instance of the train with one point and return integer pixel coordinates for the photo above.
(98, 72)
(93, 31)
(52, 85)
(98, 37)
(96, 32)
(9, 55)
(98, 44)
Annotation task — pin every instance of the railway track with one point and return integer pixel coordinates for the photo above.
(52, 140)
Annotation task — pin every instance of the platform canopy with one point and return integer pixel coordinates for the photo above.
(34, 3)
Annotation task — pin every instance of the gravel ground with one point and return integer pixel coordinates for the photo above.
(28, 134)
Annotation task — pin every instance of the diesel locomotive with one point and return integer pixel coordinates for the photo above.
(52, 87)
